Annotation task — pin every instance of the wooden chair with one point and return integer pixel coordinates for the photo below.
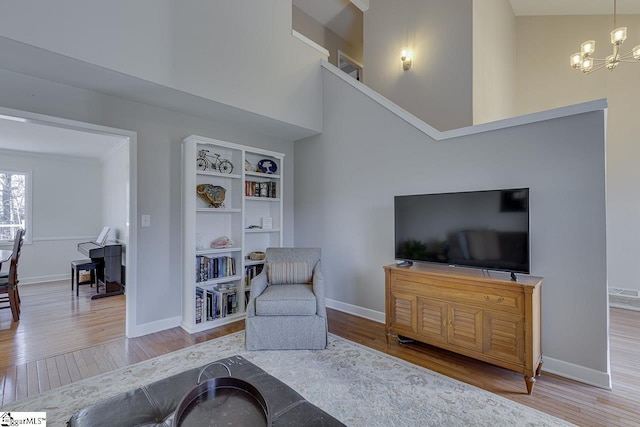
(9, 284)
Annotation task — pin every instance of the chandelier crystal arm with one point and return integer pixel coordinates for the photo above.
(595, 68)
(585, 62)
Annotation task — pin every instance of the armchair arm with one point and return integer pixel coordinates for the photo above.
(258, 285)
(318, 290)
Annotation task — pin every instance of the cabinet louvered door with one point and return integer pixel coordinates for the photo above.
(465, 326)
(403, 308)
(432, 319)
(504, 336)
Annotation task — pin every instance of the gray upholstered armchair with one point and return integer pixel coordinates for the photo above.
(286, 306)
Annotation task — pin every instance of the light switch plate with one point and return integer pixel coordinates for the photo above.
(146, 220)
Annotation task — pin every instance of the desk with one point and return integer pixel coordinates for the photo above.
(5, 255)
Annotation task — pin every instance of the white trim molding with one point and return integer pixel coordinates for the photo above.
(577, 372)
(550, 365)
(61, 238)
(309, 42)
(26, 281)
(152, 327)
(435, 134)
(376, 316)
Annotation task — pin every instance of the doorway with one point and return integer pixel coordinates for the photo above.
(40, 136)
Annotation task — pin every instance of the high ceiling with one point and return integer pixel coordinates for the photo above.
(573, 7)
(326, 11)
(344, 19)
(340, 16)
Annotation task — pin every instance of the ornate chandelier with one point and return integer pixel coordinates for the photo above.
(585, 62)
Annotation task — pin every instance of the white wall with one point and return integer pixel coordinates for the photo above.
(437, 88)
(160, 132)
(115, 195)
(346, 208)
(494, 61)
(240, 53)
(66, 210)
(545, 80)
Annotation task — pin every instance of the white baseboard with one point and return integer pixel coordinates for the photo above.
(152, 327)
(577, 372)
(376, 316)
(551, 365)
(42, 279)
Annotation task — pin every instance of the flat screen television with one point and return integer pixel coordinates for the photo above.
(482, 229)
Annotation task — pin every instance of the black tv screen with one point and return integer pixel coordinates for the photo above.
(483, 229)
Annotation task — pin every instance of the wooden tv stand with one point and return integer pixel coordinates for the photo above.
(482, 315)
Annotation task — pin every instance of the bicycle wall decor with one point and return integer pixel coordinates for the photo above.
(214, 162)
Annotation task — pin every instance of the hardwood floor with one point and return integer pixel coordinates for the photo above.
(62, 339)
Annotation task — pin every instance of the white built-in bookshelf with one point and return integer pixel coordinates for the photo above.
(216, 281)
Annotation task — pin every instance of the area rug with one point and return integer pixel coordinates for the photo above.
(357, 385)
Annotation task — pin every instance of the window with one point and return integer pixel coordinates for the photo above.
(15, 204)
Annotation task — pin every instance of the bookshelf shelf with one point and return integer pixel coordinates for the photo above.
(205, 301)
(218, 210)
(219, 280)
(262, 175)
(217, 251)
(219, 174)
(262, 199)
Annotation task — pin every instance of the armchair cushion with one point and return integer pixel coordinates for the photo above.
(285, 273)
(290, 300)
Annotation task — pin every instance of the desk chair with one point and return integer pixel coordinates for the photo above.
(9, 284)
(83, 265)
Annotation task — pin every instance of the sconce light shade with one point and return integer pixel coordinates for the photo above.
(405, 57)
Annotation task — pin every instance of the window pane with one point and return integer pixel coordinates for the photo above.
(12, 203)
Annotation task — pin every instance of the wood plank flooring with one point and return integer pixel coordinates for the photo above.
(61, 339)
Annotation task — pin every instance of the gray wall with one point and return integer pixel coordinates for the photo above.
(346, 179)
(239, 53)
(437, 88)
(160, 132)
(115, 195)
(66, 210)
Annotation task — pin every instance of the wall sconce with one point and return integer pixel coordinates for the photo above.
(405, 57)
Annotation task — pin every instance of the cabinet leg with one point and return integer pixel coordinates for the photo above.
(529, 381)
(538, 369)
(388, 338)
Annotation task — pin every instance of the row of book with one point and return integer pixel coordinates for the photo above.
(216, 301)
(208, 268)
(251, 271)
(260, 189)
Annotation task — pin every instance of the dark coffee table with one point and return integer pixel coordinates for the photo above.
(156, 403)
